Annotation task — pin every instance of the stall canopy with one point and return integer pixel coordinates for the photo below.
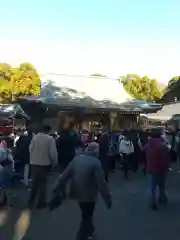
(11, 111)
(105, 93)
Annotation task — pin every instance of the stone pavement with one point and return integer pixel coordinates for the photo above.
(129, 218)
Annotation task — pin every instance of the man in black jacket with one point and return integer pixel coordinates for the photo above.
(104, 151)
(66, 145)
(22, 153)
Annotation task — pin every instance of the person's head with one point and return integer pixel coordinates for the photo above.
(93, 148)
(156, 133)
(126, 134)
(71, 125)
(46, 128)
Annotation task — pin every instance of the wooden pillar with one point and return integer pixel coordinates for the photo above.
(85, 125)
(126, 121)
(113, 121)
(123, 122)
(65, 119)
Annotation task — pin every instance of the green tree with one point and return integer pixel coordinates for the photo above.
(4, 91)
(5, 71)
(24, 81)
(172, 91)
(142, 88)
(128, 77)
(172, 81)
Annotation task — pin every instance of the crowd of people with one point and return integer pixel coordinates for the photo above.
(84, 160)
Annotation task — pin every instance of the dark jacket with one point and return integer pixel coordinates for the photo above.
(104, 150)
(22, 149)
(87, 177)
(157, 156)
(66, 145)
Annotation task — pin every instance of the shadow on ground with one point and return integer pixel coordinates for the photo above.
(129, 218)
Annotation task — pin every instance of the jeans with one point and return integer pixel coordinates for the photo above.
(112, 161)
(64, 188)
(39, 181)
(26, 174)
(126, 159)
(19, 168)
(6, 176)
(86, 227)
(157, 180)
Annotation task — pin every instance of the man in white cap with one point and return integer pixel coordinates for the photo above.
(87, 177)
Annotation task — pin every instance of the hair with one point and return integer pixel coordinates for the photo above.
(92, 147)
(155, 133)
(127, 135)
(46, 128)
(71, 125)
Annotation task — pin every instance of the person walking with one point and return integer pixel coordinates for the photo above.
(6, 174)
(136, 156)
(87, 177)
(67, 143)
(43, 157)
(126, 149)
(104, 143)
(157, 156)
(22, 154)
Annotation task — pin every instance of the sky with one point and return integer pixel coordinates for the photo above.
(111, 37)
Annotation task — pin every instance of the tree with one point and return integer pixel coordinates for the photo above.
(23, 81)
(5, 71)
(173, 80)
(142, 88)
(4, 90)
(172, 92)
(26, 80)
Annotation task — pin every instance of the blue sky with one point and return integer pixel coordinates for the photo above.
(113, 37)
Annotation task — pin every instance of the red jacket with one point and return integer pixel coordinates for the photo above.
(157, 156)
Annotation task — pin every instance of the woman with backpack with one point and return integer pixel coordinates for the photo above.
(126, 149)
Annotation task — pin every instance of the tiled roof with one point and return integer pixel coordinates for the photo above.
(88, 92)
(97, 88)
(167, 111)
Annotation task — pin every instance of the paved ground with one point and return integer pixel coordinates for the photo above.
(128, 219)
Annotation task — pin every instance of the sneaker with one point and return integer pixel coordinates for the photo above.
(163, 201)
(91, 237)
(79, 237)
(154, 206)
